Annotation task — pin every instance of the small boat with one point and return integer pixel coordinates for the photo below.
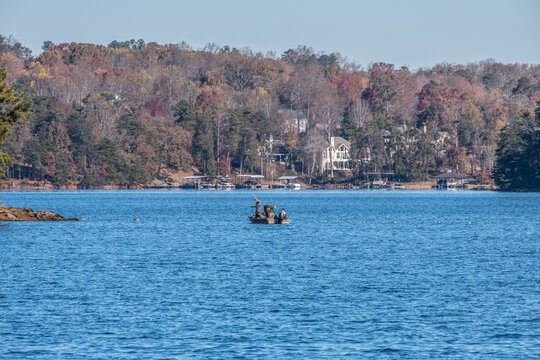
(273, 220)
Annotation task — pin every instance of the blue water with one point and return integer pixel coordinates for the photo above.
(428, 275)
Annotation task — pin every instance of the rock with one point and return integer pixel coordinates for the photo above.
(28, 212)
(11, 217)
(24, 214)
(45, 215)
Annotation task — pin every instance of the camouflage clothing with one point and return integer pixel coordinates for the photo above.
(258, 208)
(268, 208)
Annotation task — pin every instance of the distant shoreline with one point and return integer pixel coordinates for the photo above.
(44, 186)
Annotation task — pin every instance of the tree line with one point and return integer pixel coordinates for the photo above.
(132, 112)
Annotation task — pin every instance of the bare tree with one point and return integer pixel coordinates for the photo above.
(328, 111)
(220, 119)
(303, 88)
(360, 112)
(313, 150)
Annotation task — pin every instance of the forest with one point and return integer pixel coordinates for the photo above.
(134, 112)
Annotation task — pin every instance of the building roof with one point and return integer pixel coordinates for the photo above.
(288, 178)
(451, 175)
(338, 141)
(203, 177)
(251, 176)
(195, 177)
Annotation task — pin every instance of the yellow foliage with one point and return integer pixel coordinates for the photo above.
(143, 77)
(260, 92)
(39, 71)
(292, 140)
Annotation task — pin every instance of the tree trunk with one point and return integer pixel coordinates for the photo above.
(331, 164)
(228, 162)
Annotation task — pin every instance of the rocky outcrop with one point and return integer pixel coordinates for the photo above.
(23, 214)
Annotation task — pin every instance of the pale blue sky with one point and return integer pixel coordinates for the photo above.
(415, 33)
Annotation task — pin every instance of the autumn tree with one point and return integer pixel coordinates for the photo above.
(312, 150)
(240, 72)
(174, 147)
(215, 108)
(303, 88)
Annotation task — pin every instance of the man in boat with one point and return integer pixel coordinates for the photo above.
(257, 208)
(282, 215)
(270, 208)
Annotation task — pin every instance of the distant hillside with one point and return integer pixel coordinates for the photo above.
(131, 112)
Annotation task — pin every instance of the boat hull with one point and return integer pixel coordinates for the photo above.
(256, 220)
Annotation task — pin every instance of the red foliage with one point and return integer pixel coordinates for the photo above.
(208, 99)
(349, 87)
(381, 68)
(153, 108)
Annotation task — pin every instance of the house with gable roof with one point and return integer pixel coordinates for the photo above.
(336, 156)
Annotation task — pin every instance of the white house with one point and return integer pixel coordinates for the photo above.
(337, 154)
(292, 120)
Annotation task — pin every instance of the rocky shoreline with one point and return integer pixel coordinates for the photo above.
(24, 214)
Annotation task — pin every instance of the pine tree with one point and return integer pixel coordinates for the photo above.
(13, 108)
(518, 154)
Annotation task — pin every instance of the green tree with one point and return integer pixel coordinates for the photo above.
(203, 144)
(184, 115)
(10, 44)
(13, 108)
(490, 81)
(140, 145)
(382, 91)
(518, 153)
(128, 44)
(348, 127)
(524, 86)
(114, 167)
(47, 45)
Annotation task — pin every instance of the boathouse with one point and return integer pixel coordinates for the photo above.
(451, 180)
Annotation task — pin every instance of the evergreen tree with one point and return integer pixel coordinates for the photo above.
(184, 115)
(518, 154)
(13, 108)
(114, 167)
(348, 128)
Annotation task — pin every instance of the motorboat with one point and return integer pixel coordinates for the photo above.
(269, 220)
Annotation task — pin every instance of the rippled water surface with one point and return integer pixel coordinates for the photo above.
(357, 274)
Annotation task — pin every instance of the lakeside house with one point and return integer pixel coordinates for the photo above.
(275, 150)
(336, 156)
(293, 120)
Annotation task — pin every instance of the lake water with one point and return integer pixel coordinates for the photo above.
(357, 274)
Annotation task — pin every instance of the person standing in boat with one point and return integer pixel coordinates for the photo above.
(270, 208)
(257, 208)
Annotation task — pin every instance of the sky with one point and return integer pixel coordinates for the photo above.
(413, 33)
